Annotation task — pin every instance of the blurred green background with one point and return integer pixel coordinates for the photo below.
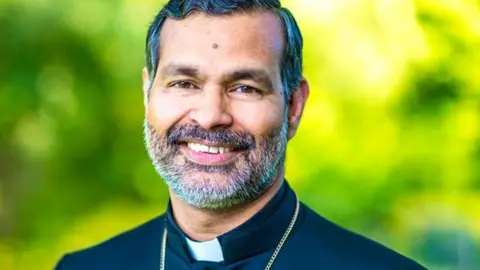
(389, 145)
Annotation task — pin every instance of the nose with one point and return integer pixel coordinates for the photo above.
(211, 110)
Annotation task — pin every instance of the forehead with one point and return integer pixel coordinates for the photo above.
(252, 39)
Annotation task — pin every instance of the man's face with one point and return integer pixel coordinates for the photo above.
(216, 120)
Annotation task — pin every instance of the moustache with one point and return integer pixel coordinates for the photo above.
(186, 133)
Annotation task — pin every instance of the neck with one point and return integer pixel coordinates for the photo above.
(203, 225)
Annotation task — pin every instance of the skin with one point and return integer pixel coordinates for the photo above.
(216, 47)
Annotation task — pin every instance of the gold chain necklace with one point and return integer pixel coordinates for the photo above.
(274, 255)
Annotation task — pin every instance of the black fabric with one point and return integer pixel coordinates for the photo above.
(315, 243)
(268, 225)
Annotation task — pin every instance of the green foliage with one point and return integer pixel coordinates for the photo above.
(388, 145)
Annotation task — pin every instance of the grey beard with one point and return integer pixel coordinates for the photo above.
(243, 180)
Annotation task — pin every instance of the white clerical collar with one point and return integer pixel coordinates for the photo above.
(210, 251)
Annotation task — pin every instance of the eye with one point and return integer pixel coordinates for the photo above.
(183, 85)
(246, 89)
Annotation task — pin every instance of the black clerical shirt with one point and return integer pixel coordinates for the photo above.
(314, 243)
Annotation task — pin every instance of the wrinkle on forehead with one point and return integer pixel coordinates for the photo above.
(262, 31)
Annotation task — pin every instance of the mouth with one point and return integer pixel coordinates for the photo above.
(209, 153)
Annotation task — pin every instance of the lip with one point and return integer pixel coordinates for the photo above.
(207, 158)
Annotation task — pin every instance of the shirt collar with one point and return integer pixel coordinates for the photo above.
(269, 224)
(210, 251)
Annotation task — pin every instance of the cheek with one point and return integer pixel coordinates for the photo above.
(164, 111)
(259, 118)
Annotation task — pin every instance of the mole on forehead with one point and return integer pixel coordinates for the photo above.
(215, 45)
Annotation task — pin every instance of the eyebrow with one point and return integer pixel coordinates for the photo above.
(178, 70)
(257, 75)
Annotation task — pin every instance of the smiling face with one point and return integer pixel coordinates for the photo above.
(216, 122)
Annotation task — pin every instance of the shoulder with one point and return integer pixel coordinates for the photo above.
(338, 246)
(116, 250)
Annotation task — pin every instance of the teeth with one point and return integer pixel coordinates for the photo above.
(208, 149)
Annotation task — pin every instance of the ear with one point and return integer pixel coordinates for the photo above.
(146, 86)
(297, 101)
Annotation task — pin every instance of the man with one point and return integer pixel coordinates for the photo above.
(223, 93)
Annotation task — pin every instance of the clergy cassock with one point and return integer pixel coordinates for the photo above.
(312, 243)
